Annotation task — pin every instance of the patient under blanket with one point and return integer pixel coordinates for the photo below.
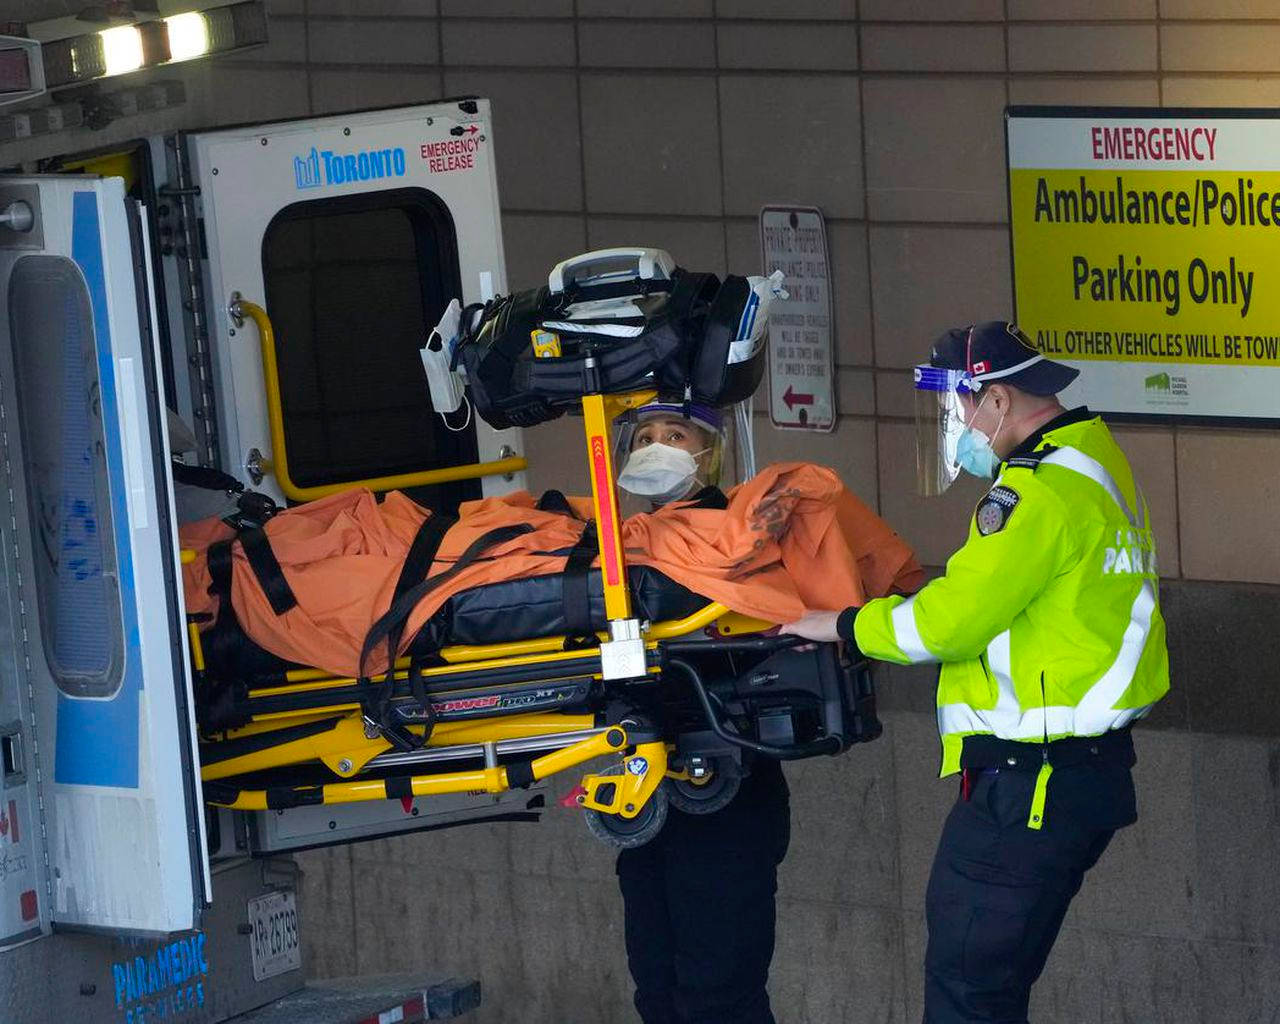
(789, 541)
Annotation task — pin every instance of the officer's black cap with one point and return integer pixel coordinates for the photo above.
(988, 349)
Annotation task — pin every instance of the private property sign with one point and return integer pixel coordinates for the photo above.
(801, 357)
(1146, 252)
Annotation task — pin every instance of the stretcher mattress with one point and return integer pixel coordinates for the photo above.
(337, 583)
(524, 609)
(536, 607)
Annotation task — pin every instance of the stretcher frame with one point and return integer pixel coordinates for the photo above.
(347, 748)
(337, 735)
(314, 717)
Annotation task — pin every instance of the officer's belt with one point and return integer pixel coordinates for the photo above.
(1111, 748)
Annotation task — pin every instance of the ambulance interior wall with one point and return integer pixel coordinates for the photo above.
(670, 122)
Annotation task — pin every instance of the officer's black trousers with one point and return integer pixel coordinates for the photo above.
(699, 905)
(999, 890)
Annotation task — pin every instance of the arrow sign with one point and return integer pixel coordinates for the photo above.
(793, 398)
(472, 128)
(802, 369)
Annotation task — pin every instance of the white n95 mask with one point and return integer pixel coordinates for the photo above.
(659, 472)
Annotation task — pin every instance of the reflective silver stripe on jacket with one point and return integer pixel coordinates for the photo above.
(1096, 712)
(907, 635)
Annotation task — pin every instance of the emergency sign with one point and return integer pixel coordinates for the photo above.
(1146, 251)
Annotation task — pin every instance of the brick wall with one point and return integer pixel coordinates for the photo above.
(670, 122)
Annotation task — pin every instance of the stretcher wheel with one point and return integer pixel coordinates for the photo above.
(625, 833)
(715, 794)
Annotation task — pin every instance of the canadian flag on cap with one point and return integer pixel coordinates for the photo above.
(981, 367)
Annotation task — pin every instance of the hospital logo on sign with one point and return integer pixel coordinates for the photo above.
(1166, 389)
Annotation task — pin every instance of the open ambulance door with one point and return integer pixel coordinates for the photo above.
(92, 658)
(352, 232)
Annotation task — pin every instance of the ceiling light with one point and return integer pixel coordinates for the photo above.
(121, 49)
(188, 36)
(115, 51)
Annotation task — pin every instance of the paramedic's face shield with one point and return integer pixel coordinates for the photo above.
(699, 436)
(945, 401)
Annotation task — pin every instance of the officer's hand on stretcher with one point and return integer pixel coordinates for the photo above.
(815, 626)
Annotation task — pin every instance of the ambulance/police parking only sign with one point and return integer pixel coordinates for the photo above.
(1146, 248)
(793, 239)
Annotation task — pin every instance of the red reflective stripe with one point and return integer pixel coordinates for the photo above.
(410, 1011)
(607, 527)
(28, 904)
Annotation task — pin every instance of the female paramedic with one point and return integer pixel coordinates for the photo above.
(699, 898)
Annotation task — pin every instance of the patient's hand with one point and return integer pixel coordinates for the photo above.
(815, 626)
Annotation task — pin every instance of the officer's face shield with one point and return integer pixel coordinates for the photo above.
(945, 402)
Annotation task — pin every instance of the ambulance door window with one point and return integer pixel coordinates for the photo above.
(353, 286)
(60, 425)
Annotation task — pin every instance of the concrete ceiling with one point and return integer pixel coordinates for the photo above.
(41, 10)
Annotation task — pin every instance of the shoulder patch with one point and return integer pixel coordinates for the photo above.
(995, 509)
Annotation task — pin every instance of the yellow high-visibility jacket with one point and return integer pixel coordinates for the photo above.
(1047, 622)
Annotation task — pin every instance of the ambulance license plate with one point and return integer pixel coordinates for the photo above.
(275, 944)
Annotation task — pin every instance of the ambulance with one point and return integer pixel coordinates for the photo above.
(124, 346)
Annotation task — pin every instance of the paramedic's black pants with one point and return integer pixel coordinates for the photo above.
(999, 890)
(699, 905)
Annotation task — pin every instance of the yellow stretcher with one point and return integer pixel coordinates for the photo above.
(679, 707)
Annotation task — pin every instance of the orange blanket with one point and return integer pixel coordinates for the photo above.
(792, 540)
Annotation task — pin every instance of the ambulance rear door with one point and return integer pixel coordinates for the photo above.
(91, 619)
(353, 232)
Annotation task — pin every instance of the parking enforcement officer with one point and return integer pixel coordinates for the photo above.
(1048, 629)
(699, 898)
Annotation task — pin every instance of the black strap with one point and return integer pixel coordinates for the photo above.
(406, 602)
(224, 629)
(464, 326)
(205, 477)
(224, 637)
(417, 563)
(219, 561)
(555, 501)
(576, 292)
(390, 627)
(576, 587)
(422, 552)
(520, 775)
(253, 509)
(265, 566)
(398, 787)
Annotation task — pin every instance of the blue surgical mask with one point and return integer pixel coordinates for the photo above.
(975, 455)
(975, 451)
